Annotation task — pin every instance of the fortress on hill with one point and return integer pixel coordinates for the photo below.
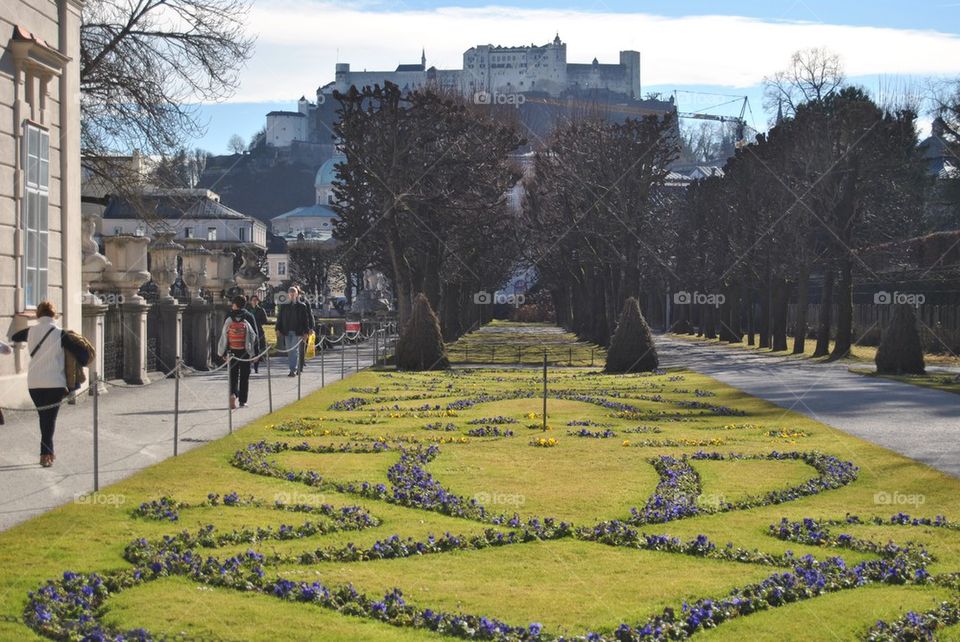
(548, 84)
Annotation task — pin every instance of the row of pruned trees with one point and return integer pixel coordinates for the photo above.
(839, 175)
(593, 218)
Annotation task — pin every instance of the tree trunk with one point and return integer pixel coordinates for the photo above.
(826, 314)
(781, 297)
(841, 347)
(709, 321)
(765, 317)
(803, 296)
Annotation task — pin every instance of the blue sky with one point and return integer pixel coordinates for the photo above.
(697, 45)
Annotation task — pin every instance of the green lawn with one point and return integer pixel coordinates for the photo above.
(496, 344)
(561, 579)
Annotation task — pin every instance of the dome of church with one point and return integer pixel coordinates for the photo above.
(327, 173)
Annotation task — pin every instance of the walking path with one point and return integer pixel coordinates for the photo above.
(136, 430)
(920, 423)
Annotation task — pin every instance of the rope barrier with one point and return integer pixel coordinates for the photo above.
(188, 371)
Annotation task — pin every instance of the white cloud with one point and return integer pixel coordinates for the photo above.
(299, 43)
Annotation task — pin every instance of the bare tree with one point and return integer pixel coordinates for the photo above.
(812, 75)
(145, 63)
(236, 144)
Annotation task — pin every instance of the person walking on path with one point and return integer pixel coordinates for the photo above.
(46, 375)
(260, 316)
(239, 337)
(294, 323)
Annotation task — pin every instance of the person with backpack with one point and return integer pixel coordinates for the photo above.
(239, 337)
(46, 374)
(295, 323)
(260, 316)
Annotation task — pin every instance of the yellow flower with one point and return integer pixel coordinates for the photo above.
(626, 442)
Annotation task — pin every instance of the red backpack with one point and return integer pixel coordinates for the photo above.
(237, 335)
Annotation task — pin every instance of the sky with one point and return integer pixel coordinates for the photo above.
(694, 46)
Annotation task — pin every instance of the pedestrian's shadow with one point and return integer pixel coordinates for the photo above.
(164, 412)
(18, 467)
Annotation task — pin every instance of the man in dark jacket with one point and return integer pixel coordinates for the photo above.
(294, 323)
(260, 316)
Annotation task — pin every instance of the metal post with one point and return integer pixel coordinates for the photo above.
(493, 354)
(96, 432)
(466, 353)
(519, 359)
(343, 350)
(299, 379)
(269, 382)
(376, 347)
(357, 351)
(544, 390)
(570, 358)
(591, 356)
(323, 374)
(176, 409)
(229, 396)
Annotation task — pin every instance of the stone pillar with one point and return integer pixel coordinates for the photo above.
(220, 266)
(134, 317)
(165, 319)
(196, 317)
(128, 271)
(197, 350)
(165, 327)
(94, 323)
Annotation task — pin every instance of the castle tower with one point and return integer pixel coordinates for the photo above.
(630, 60)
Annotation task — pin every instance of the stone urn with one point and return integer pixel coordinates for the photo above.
(195, 275)
(163, 264)
(250, 279)
(127, 255)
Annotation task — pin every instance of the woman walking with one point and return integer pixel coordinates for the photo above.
(46, 378)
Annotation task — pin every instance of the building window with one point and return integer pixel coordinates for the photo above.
(330, 200)
(242, 234)
(188, 232)
(36, 201)
(211, 234)
(117, 230)
(281, 268)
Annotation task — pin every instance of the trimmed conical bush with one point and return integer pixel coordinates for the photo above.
(901, 351)
(421, 346)
(632, 349)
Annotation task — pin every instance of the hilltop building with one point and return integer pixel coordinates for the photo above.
(489, 74)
